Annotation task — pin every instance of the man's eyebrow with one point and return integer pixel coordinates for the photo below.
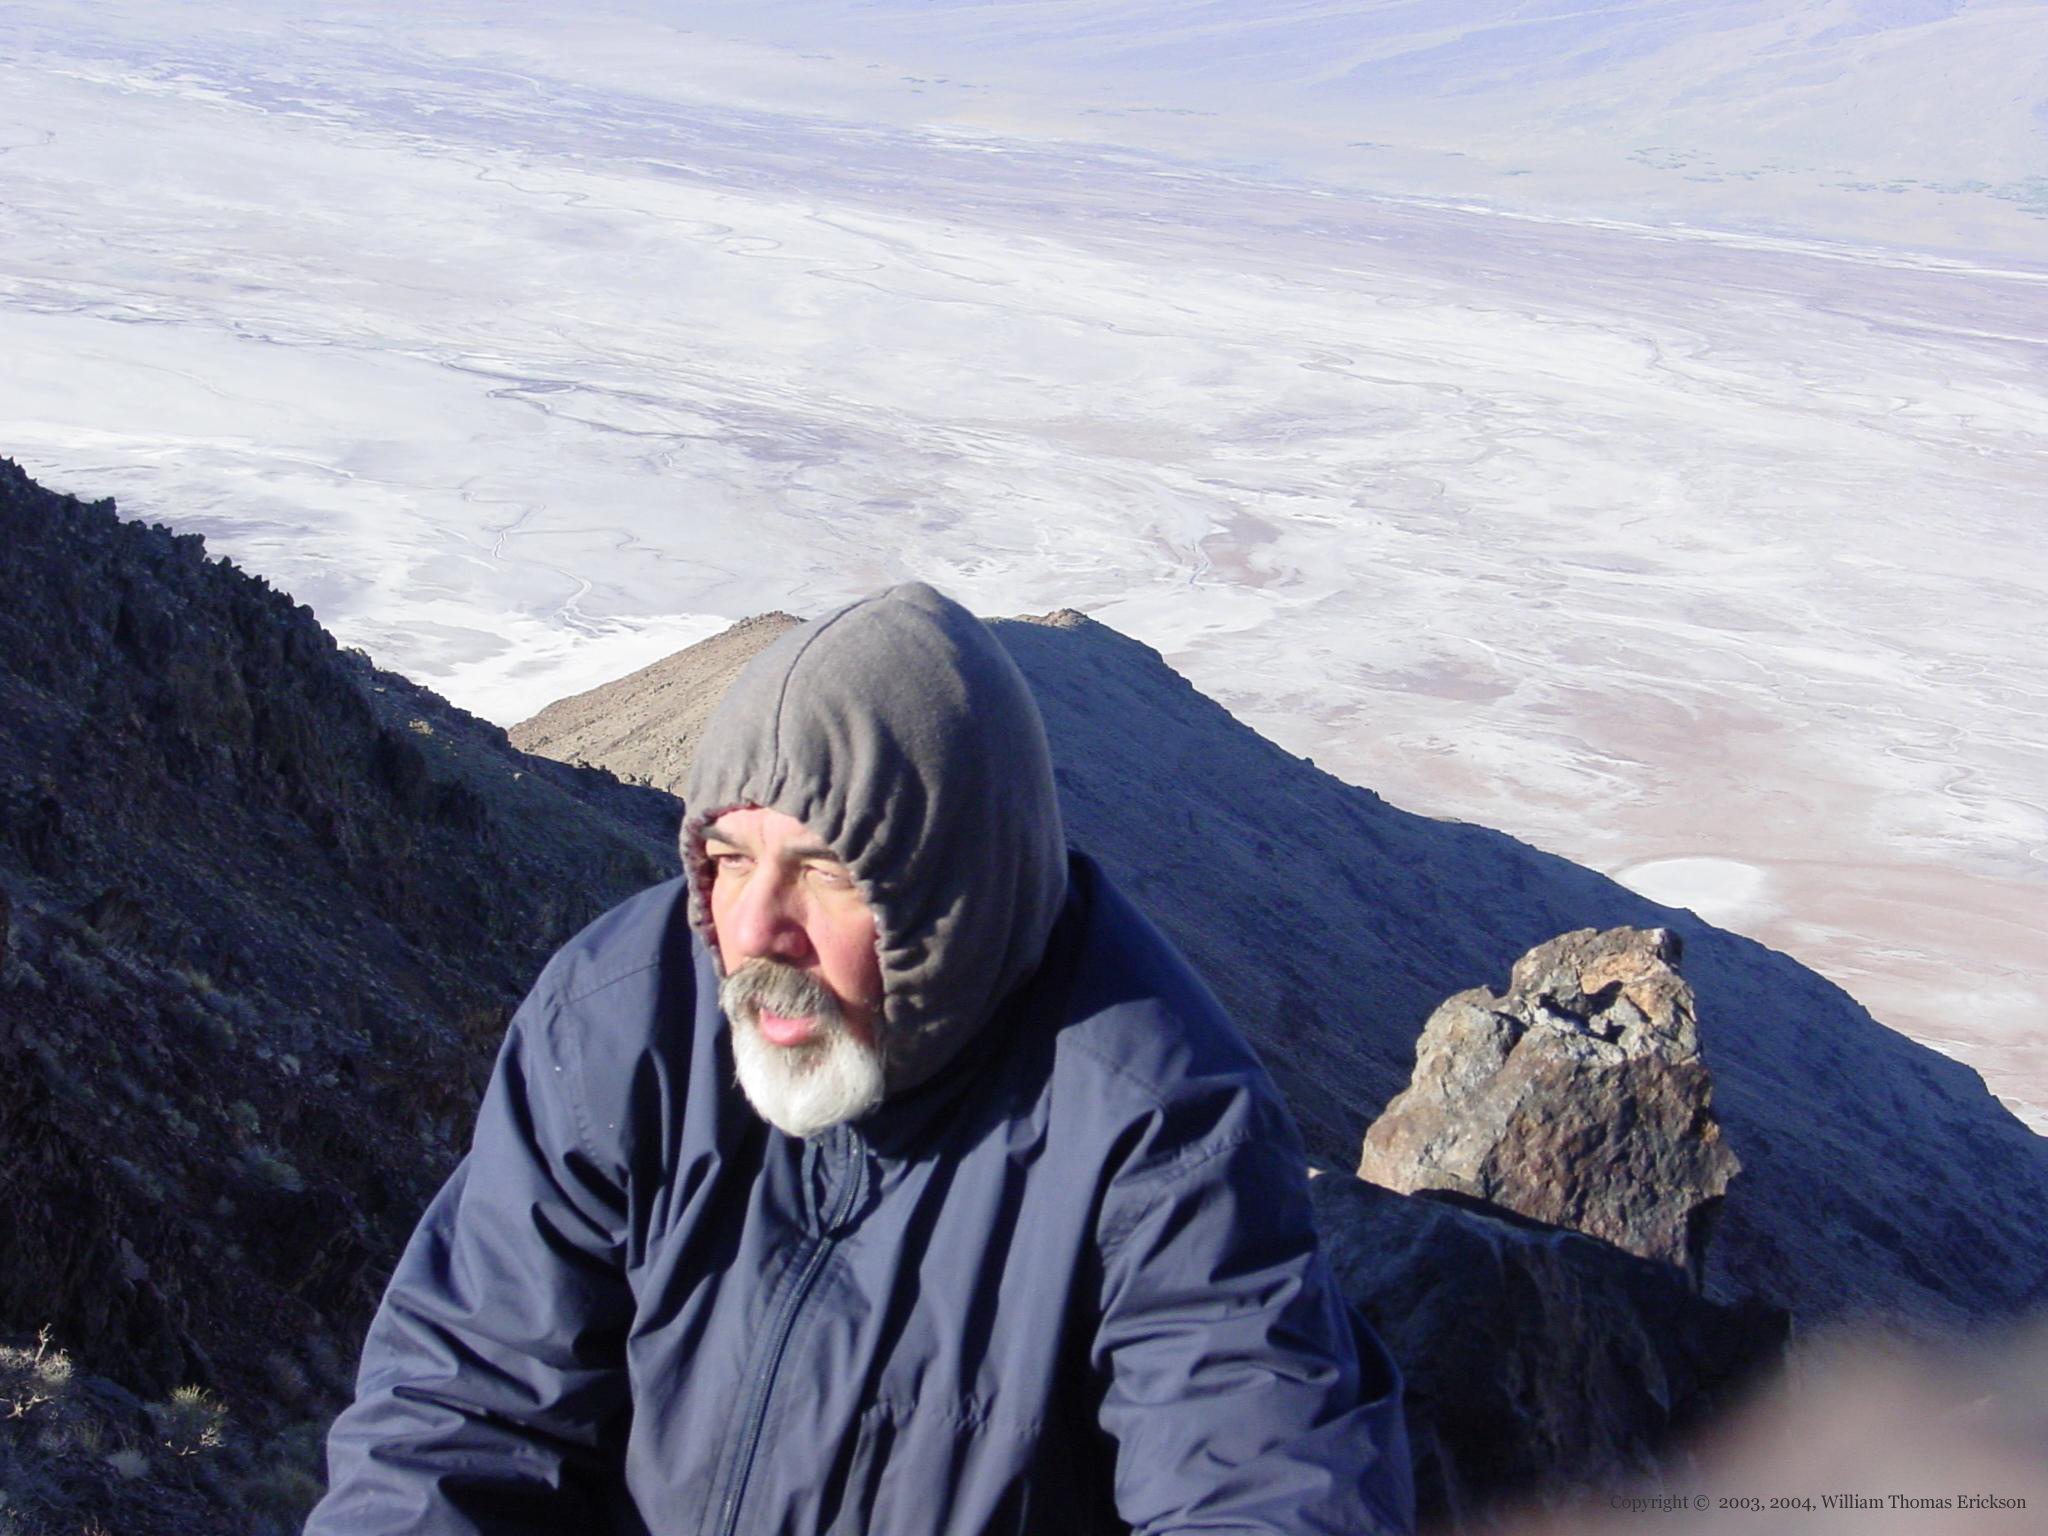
(813, 851)
(804, 852)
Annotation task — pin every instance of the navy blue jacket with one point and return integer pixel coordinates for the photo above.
(1068, 1285)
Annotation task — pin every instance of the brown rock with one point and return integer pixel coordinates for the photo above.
(1577, 1098)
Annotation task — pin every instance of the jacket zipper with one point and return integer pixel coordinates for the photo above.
(784, 1325)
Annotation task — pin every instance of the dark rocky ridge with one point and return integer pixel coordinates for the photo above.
(1537, 1363)
(1880, 1178)
(267, 912)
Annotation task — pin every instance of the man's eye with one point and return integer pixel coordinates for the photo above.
(729, 863)
(834, 877)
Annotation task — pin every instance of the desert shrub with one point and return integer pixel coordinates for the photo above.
(190, 1421)
(287, 1377)
(40, 1426)
(281, 1494)
(181, 1125)
(198, 981)
(241, 1014)
(273, 1170)
(332, 1372)
(286, 1480)
(141, 1179)
(78, 972)
(31, 1377)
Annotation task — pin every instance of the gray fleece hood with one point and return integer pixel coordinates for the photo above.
(900, 732)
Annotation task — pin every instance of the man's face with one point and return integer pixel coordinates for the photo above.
(803, 987)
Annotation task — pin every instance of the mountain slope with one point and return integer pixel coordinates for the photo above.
(1879, 1176)
(264, 912)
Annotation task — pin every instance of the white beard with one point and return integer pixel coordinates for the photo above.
(799, 1089)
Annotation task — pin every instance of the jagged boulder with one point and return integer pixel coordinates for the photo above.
(1577, 1098)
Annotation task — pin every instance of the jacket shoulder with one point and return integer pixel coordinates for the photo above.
(1146, 1041)
(648, 931)
(616, 1011)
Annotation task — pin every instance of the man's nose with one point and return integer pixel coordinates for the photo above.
(766, 921)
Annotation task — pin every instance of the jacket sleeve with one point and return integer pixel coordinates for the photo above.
(1242, 1392)
(492, 1394)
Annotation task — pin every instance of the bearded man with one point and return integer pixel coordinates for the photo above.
(888, 1173)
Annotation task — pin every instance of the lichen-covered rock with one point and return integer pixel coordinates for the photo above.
(1578, 1098)
(1537, 1364)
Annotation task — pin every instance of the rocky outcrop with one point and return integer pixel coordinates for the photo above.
(1537, 1363)
(1527, 1233)
(1577, 1098)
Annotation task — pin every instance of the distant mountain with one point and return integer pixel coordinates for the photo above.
(1803, 116)
(264, 913)
(1879, 1176)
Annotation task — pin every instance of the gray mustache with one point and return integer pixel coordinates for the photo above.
(776, 986)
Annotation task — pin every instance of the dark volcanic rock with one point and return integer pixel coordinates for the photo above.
(268, 912)
(1577, 1098)
(1537, 1363)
